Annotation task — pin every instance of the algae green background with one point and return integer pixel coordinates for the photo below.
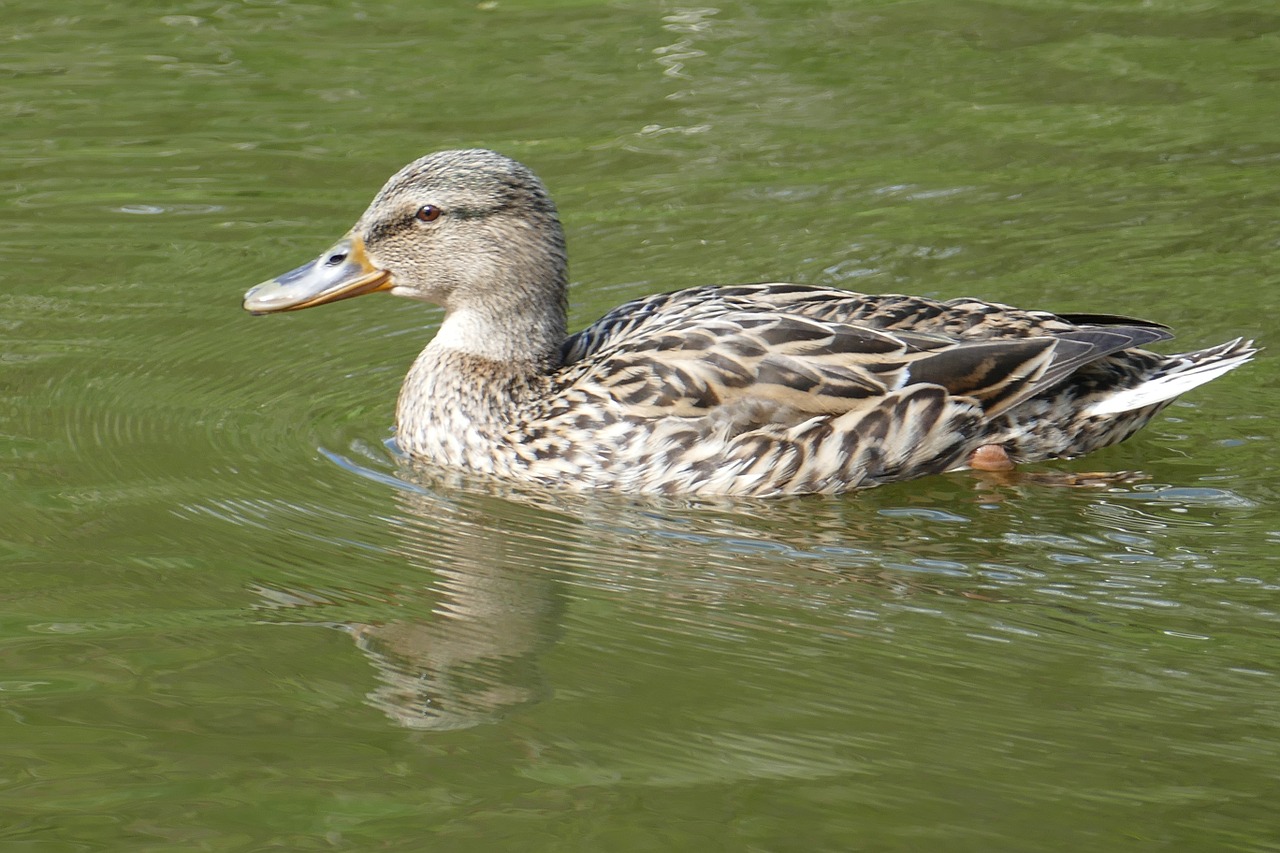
(231, 622)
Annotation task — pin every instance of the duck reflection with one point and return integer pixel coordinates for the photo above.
(471, 653)
(457, 636)
(468, 651)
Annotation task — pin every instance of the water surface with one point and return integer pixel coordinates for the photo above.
(234, 620)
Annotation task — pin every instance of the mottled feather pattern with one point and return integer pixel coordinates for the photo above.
(771, 389)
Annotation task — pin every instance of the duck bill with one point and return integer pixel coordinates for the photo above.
(341, 272)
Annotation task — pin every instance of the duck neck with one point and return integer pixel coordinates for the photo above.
(470, 383)
(518, 337)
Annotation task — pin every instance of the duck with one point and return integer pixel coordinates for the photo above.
(754, 389)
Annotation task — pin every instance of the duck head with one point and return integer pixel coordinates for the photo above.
(468, 230)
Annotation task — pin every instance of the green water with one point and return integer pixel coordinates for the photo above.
(232, 621)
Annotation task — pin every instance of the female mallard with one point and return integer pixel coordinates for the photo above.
(758, 389)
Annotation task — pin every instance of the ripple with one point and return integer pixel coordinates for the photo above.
(1190, 496)
(179, 209)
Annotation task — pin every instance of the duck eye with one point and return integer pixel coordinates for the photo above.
(427, 213)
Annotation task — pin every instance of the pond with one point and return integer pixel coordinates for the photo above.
(235, 619)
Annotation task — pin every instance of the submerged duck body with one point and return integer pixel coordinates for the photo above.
(759, 389)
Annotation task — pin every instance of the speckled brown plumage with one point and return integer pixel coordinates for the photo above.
(756, 389)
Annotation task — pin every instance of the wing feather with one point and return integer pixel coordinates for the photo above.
(813, 351)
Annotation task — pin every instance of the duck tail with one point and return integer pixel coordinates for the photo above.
(1177, 375)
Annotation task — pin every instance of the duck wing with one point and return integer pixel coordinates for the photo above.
(798, 351)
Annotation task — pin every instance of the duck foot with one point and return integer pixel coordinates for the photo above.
(992, 463)
(990, 457)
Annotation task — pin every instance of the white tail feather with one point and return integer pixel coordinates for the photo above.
(1196, 368)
